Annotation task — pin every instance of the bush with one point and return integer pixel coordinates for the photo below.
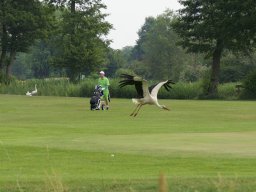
(227, 91)
(205, 84)
(4, 79)
(249, 86)
(62, 87)
(182, 91)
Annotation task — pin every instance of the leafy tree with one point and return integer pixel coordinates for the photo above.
(249, 86)
(22, 66)
(161, 52)
(22, 22)
(35, 63)
(195, 67)
(80, 43)
(116, 60)
(127, 53)
(211, 27)
(157, 50)
(138, 52)
(140, 68)
(235, 67)
(40, 65)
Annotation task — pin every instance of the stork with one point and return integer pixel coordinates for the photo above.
(35, 91)
(28, 93)
(146, 95)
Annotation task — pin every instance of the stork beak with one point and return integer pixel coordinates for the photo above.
(165, 108)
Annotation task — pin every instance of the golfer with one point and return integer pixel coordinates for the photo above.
(104, 83)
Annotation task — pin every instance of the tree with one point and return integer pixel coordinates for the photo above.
(235, 67)
(40, 54)
(22, 22)
(161, 53)
(80, 44)
(210, 27)
(116, 60)
(21, 68)
(138, 51)
(157, 50)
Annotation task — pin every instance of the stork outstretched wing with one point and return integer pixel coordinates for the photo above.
(153, 89)
(141, 85)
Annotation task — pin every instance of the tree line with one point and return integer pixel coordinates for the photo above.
(209, 40)
(68, 35)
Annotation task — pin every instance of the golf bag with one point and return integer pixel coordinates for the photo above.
(95, 99)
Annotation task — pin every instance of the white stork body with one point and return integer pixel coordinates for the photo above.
(28, 93)
(146, 95)
(34, 92)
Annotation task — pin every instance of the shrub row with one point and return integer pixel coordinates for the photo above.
(62, 87)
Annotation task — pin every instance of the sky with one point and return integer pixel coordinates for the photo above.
(127, 17)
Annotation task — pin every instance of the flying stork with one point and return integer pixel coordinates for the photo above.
(146, 95)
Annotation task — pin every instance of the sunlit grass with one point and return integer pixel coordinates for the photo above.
(58, 144)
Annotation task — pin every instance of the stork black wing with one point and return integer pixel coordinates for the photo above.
(129, 80)
(138, 86)
(167, 86)
(151, 87)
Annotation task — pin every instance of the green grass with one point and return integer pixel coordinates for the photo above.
(58, 144)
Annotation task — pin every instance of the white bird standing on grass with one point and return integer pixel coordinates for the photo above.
(32, 92)
(146, 95)
(35, 91)
(28, 93)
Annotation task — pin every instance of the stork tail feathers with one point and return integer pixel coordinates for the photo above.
(135, 101)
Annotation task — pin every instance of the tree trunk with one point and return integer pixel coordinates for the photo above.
(73, 11)
(3, 48)
(215, 71)
(10, 63)
(2, 59)
(73, 6)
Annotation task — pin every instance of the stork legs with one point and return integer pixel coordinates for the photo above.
(136, 110)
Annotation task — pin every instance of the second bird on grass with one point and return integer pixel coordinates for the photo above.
(146, 94)
(34, 92)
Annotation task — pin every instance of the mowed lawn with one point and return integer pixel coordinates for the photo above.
(58, 144)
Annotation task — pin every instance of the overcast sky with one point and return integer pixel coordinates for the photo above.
(127, 17)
